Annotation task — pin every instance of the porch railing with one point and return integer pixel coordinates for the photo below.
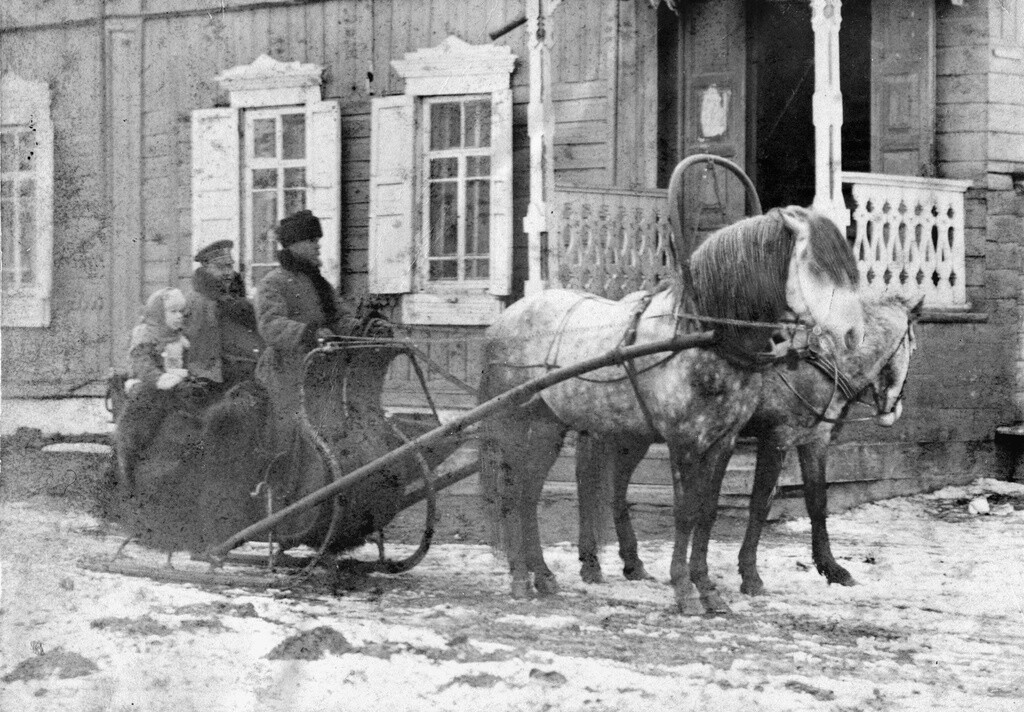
(909, 236)
(611, 242)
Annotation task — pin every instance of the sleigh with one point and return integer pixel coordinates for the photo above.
(335, 474)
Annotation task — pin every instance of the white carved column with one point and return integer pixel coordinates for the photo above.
(826, 16)
(542, 249)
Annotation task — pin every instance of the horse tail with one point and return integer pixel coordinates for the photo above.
(494, 468)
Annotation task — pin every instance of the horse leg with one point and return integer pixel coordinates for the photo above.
(516, 452)
(627, 456)
(545, 442)
(596, 460)
(813, 462)
(687, 473)
(714, 463)
(592, 499)
(770, 459)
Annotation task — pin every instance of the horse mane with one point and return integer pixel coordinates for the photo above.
(740, 271)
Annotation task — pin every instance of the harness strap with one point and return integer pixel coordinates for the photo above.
(628, 339)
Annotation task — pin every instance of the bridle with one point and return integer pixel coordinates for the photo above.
(841, 383)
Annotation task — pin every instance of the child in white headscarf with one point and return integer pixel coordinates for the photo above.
(157, 356)
(158, 347)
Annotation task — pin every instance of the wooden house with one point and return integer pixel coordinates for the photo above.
(462, 153)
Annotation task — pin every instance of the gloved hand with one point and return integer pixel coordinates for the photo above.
(170, 378)
(324, 333)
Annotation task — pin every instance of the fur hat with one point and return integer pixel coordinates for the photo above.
(297, 227)
(214, 250)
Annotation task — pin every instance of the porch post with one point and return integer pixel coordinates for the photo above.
(827, 112)
(541, 252)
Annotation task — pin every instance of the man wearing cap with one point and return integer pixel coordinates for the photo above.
(295, 306)
(221, 323)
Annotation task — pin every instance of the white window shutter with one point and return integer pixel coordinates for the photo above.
(392, 191)
(501, 193)
(323, 180)
(216, 176)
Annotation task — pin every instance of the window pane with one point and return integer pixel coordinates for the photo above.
(7, 188)
(8, 149)
(444, 126)
(27, 188)
(27, 150)
(478, 268)
(478, 166)
(443, 270)
(264, 138)
(264, 217)
(294, 201)
(27, 240)
(293, 127)
(444, 167)
(478, 217)
(264, 179)
(294, 177)
(444, 227)
(478, 123)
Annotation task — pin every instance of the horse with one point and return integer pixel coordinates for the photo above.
(800, 406)
(757, 270)
(204, 478)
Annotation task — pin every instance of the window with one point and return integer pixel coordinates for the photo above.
(274, 151)
(458, 194)
(440, 185)
(26, 201)
(275, 177)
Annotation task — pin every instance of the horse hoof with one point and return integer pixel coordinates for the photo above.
(637, 573)
(591, 574)
(752, 588)
(715, 605)
(546, 585)
(689, 606)
(520, 589)
(839, 576)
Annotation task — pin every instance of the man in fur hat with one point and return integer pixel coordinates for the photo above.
(221, 324)
(295, 306)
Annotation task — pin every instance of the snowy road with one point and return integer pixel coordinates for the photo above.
(937, 623)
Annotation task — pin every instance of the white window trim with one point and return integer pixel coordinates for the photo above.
(267, 83)
(27, 103)
(455, 69)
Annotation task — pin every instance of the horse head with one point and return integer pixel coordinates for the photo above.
(791, 261)
(822, 281)
(888, 384)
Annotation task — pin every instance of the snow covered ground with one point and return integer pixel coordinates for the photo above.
(937, 623)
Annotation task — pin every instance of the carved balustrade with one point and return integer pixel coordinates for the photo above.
(909, 236)
(611, 242)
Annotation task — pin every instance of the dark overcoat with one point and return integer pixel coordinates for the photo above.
(289, 314)
(221, 327)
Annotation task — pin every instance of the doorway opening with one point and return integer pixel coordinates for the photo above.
(780, 147)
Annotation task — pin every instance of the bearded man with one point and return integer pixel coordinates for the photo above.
(295, 307)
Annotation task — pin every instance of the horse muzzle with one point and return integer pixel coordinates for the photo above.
(888, 418)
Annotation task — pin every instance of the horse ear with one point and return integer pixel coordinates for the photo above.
(795, 219)
(917, 309)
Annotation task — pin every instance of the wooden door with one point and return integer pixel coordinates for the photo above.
(903, 87)
(713, 42)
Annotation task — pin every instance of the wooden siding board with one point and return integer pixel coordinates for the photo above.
(75, 349)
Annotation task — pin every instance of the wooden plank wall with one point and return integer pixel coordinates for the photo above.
(604, 68)
(353, 39)
(75, 349)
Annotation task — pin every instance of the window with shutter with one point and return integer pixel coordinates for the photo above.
(26, 201)
(274, 151)
(441, 185)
